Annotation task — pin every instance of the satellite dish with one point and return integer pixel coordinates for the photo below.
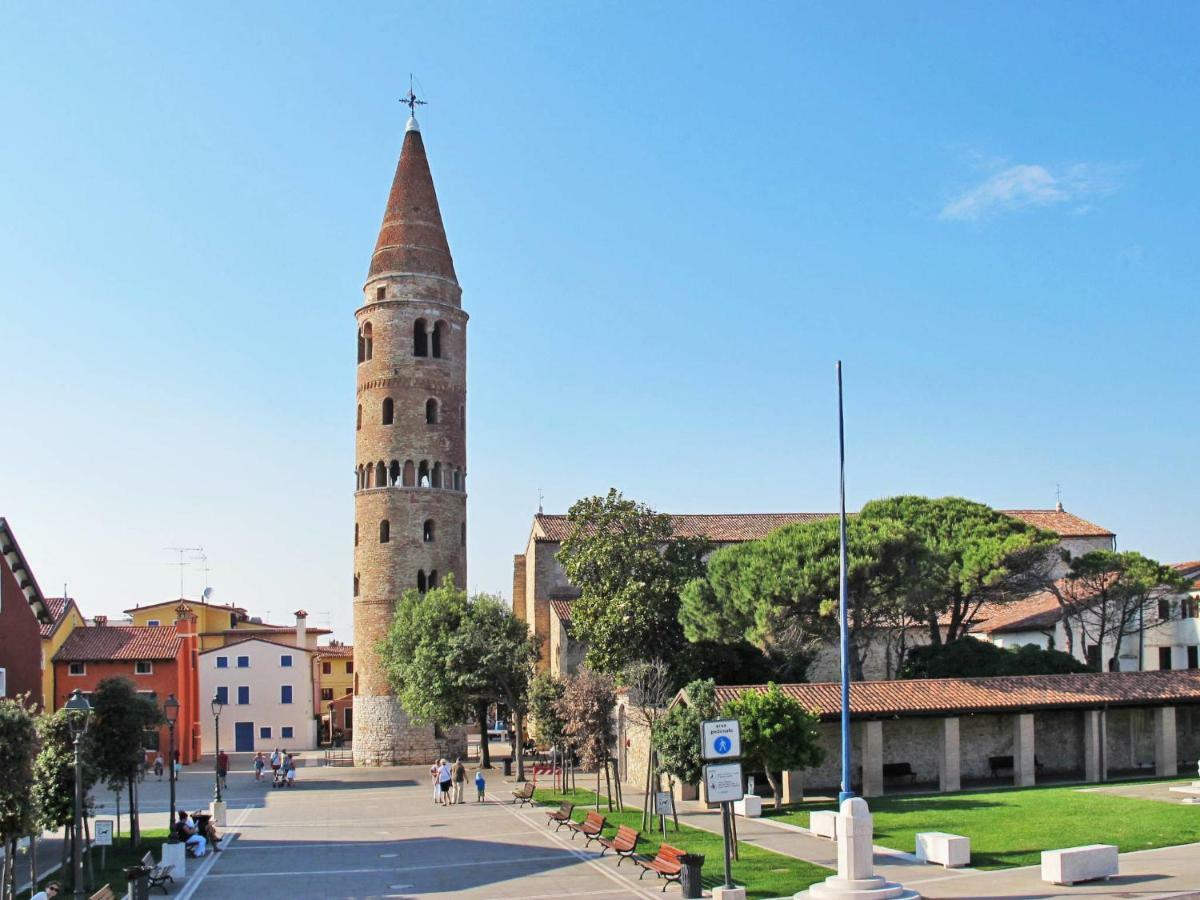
(208, 592)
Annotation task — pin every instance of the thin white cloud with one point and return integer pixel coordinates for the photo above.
(1023, 186)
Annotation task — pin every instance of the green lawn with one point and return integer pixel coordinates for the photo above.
(119, 857)
(763, 873)
(1012, 827)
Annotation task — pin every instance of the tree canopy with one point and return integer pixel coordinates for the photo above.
(971, 658)
(54, 772)
(18, 744)
(778, 733)
(630, 570)
(678, 736)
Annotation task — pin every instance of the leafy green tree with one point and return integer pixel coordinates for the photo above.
(116, 740)
(777, 733)
(971, 658)
(447, 655)
(54, 775)
(548, 725)
(781, 592)
(1107, 596)
(18, 745)
(970, 554)
(630, 569)
(677, 739)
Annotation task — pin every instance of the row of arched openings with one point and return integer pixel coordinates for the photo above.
(428, 340)
(428, 532)
(376, 475)
(387, 413)
(424, 582)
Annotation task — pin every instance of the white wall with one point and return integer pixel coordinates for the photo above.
(264, 677)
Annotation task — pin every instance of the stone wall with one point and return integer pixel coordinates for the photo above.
(383, 735)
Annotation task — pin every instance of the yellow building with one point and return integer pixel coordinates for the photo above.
(221, 623)
(335, 677)
(66, 619)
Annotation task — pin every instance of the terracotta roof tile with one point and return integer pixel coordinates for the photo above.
(1040, 610)
(341, 651)
(724, 528)
(562, 609)
(58, 607)
(933, 696)
(119, 642)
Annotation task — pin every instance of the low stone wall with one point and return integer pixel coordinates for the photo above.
(389, 738)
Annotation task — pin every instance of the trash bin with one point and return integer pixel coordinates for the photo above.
(139, 884)
(689, 874)
(507, 766)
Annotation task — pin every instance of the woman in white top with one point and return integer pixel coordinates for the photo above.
(445, 781)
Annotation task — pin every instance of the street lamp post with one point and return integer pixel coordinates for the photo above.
(171, 712)
(217, 706)
(79, 712)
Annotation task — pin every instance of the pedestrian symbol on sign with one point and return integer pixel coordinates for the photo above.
(722, 744)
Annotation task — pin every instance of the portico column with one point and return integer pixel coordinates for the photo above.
(1093, 741)
(950, 762)
(872, 759)
(1024, 767)
(1166, 758)
(793, 786)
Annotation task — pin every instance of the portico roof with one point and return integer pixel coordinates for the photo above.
(963, 696)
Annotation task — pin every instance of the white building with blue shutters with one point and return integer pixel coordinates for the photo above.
(267, 689)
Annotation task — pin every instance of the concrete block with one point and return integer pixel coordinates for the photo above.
(823, 823)
(1079, 863)
(175, 855)
(949, 850)
(750, 806)
(729, 893)
(217, 809)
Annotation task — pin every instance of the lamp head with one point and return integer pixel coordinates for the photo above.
(217, 705)
(171, 709)
(78, 713)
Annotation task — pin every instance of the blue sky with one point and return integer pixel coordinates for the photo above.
(669, 221)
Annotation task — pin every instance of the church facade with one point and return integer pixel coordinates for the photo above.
(410, 497)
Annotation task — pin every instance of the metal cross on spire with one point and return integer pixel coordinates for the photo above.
(410, 100)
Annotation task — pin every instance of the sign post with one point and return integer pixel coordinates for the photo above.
(721, 749)
(103, 838)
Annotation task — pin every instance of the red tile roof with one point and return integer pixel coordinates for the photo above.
(562, 609)
(1032, 613)
(104, 642)
(724, 528)
(1022, 693)
(58, 607)
(340, 651)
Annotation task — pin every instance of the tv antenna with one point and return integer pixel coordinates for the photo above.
(541, 497)
(182, 562)
(203, 557)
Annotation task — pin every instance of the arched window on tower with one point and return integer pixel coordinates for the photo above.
(439, 338)
(410, 473)
(427, 532)
(431, 411)
(433, 579)
(381, 293)
(394, 473)
(355, 584)
(380, 474)
(355, 534)
(420, 339)
(358, 421)
(421, 584)
(385, 531)
(368, 475)
(437, 475)
(366, 341)
(458, 479)
(389, 411)
(423, 474)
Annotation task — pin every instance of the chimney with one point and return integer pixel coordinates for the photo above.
(98, 621)
(301, 628)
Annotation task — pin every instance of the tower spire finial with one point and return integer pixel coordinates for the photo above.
(410, 100)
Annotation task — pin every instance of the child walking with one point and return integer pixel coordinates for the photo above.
(480, 784)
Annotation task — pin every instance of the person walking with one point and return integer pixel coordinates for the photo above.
(289, 770)
(480, 785)
(434, 771)
(460, 779)
(259, 764)
(276, 761)
(445, 780)
(223, 768)
(158, 766)
(178, 768)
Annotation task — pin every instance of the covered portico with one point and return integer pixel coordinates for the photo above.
(946, 734)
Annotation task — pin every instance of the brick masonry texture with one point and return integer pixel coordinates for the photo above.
(411, 279)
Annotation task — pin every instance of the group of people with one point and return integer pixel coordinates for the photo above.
(283, 767)
(159, 766)
(448, 782)
(195, 839)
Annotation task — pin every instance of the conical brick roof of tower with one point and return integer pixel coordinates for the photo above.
(412, 239)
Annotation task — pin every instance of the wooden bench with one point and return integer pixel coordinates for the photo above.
(562, 815)
(105, 893)
(590, 827)
(158, 875)
(624, 843)
(897, 771)
(665, 864)
(524, 794)
(1079, 863)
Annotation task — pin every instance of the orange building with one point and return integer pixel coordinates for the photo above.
(159, 660)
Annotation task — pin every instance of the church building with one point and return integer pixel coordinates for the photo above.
(410, 497)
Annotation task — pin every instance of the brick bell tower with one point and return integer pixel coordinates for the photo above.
(410, 499)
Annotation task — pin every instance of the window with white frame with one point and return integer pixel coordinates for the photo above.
(153, 623)
(285, 731)
(77, 668)
(285, 660)
(243, 662)
(143, 667)
(222, 662)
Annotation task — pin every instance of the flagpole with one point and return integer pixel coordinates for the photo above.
(843, 602)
